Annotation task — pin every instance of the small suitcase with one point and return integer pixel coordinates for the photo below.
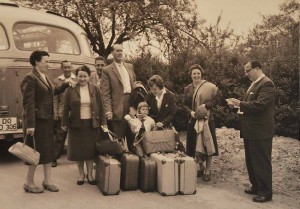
(147, 175)
(129, 171)
(108, 174)
(187, 175)
(167, 174)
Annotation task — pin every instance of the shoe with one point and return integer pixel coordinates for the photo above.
(51, 188)
(80, 182)
(35, 190)
(262, 199)
(206, 177)
(54, 163)
(92, 182)
(250, 191)
(201, 170)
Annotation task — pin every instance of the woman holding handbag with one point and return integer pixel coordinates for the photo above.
(194, 97)
(38, 92)
(84, 114)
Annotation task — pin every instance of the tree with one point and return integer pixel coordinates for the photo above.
(116, 21)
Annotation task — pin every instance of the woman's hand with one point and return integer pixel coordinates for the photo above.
(30, 131)
(64, 128)
(159, 125)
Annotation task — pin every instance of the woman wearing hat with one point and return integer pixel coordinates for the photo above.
(199, 98)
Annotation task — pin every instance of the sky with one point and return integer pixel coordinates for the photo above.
(242, 14)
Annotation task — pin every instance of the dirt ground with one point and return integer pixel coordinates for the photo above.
(229, 168)
(224, 191)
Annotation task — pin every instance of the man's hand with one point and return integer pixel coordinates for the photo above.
(105, 128)
(109, 115)
(193, 113)
(70, 82)
(30, 131)
(159, 124)
(64, 128)
(236, 102)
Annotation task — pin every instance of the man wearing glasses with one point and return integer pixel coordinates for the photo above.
(58, 104)
(100, 63)
(257, 130)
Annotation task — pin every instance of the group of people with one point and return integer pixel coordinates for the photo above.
(79, 105)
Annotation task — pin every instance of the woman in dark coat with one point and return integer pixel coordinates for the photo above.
(38, 94)
(84, 114)
(161, 101)
(196, 73)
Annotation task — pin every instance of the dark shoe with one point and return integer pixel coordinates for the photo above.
(92, 182)
(80, 182)
(34, 190)
(262, 199)
(54, 163)
(250, 191)
(51, 188)
(206, 177)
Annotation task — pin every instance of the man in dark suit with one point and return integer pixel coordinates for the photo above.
(117, 82)
(257, 114)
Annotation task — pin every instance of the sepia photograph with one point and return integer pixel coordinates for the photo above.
(149, 104)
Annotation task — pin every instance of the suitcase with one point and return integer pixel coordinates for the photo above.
(108, 174)
(167, 174)
(147, 175)
(129, 171)
(187, 175)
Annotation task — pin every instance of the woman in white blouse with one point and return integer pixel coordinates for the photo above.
(84, 114)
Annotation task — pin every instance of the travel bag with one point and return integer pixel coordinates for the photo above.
(147, 175)
(129, 171)
(108, 174)
(167, 173)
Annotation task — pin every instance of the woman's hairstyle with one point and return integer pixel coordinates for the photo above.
(156, 80)
(37, 56)
(83, 68)
(142, 104)
(196, 66)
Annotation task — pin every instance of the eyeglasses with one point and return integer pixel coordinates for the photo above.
(67, 67)
(247, 71)
(100, 65)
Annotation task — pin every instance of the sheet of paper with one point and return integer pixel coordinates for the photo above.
(229, 101)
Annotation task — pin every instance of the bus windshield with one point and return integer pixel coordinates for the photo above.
(32, 36)
(3, 39)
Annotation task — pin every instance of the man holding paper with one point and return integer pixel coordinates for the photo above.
(257, 130)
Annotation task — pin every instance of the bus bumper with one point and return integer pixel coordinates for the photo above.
(11, 134)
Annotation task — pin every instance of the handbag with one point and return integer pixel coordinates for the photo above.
(111, 145)
(159, 141)
(25, 153)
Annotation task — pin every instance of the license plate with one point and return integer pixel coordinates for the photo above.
(8, 124)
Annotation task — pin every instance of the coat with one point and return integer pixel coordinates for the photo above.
(71, 114)
(257, 120)
(38, 98)
(112, 89)
(168, 108)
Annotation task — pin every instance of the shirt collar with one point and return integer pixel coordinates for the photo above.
(259, 78)
(119, 64)
(62, 77)
(162, 94)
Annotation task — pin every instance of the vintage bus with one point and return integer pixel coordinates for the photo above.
(22, 31)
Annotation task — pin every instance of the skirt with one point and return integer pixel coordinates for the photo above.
(82, 141)
(44, 140)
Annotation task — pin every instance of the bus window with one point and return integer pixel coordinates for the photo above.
(3, 39)
(31, 37)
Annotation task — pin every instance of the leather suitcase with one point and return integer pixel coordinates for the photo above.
(147, 175)
(187, 175)
(108, 174)
(167, 174)
(129, 171)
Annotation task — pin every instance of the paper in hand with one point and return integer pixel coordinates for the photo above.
(229, 101)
